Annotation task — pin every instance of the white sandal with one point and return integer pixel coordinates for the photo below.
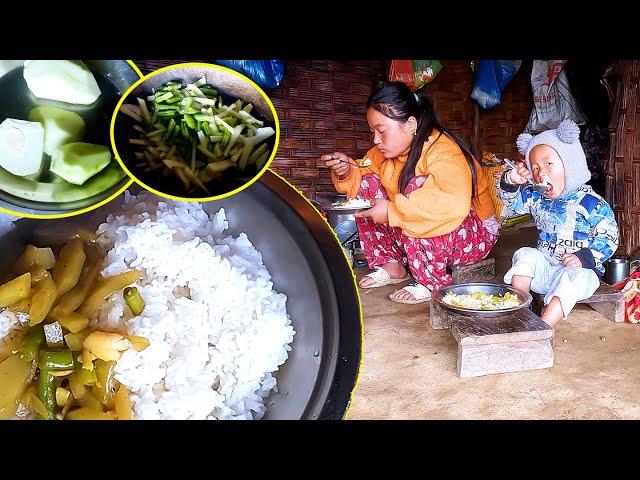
(381, 278)
(420, 294)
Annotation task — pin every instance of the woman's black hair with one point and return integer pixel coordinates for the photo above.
(396, 101)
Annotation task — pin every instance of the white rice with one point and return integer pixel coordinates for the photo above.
(217, 328)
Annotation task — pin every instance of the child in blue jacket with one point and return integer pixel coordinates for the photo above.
(577, 230)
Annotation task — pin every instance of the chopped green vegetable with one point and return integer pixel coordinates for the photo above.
(133, 300)
(56, 360)
(32, 342)
(190, 121)
(47, 393)
(190, 128)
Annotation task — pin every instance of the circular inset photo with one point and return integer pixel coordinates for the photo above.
(195, 131)
(55, 156)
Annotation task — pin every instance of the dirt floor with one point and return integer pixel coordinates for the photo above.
(409, 369)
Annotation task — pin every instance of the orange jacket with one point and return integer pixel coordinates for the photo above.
(441, 204)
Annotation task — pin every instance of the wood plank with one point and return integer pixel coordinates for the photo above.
(614, 311)
(519, 326)
(604, 293)
(478, 360)
(437, 316)
(606, 300)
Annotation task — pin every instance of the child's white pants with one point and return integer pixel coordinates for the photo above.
(569, 284)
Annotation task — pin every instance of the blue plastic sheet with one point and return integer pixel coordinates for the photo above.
(268, 74)
(491, 78)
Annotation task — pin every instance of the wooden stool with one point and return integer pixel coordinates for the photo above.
(511, 342)
(481, 271)
(606, 300)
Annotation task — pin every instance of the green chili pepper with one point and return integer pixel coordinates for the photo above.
(47, 393)
(56, 360)
(31, 343)
(134, 300)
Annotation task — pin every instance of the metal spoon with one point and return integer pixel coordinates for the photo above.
(538, 187)
(358, 164)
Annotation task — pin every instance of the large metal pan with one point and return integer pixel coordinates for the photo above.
(307, 264)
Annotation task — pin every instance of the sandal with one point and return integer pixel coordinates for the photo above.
(381, 278)
(420, 294)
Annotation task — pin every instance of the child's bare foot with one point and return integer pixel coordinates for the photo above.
(393, 270)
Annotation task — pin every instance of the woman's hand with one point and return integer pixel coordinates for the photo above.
(338, 162)
(520, 175)
(570, 260)
(379, 213)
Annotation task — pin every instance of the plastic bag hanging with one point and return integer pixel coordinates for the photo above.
(268, 74)
(492, 77)
(552, 98)
(414, 73)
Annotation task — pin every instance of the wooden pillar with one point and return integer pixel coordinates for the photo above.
(622, 168)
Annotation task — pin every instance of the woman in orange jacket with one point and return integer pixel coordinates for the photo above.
(431, 204)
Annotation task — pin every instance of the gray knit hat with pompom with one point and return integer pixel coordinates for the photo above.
(566, 141)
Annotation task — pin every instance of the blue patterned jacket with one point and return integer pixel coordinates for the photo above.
(579, 222)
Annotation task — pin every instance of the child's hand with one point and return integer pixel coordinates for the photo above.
(498, 174)
(521, 175)
(570, 260)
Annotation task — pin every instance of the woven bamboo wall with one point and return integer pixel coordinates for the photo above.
(321, 106)
(500, 125)
(622, 170)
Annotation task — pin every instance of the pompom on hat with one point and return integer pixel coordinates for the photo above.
(566, 141)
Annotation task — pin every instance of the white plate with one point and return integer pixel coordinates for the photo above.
(347, 207)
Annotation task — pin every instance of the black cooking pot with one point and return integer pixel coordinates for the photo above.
(44, 194)
(307, 264)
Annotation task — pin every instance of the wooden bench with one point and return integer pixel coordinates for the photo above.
(511, 342)
(481, 271)
(606, 300)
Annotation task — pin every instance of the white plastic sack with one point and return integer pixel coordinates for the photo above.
(552, 99)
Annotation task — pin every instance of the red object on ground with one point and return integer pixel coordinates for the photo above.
(632, 305)
(427, 258)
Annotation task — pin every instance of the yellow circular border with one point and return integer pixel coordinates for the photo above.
(355, 284)
(84, 210)
(206, 65)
